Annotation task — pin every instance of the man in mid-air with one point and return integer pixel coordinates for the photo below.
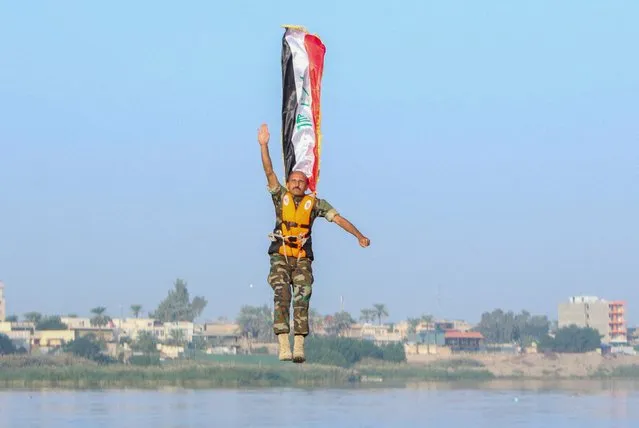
(291, 252)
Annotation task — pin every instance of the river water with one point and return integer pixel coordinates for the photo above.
(578, 404)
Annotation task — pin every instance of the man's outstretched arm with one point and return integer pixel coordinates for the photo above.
(263, 137)
(350, 228)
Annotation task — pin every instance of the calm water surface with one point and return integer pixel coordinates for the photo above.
(498, 404)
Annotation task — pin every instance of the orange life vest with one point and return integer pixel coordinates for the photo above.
(295, 226)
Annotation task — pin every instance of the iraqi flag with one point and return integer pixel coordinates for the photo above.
(302, 68)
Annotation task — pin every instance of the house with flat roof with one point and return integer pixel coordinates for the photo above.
(464, 341)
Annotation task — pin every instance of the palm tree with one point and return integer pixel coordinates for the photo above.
(135, 309)
(99, 319)
(427, 319)
(380, 311)
(412, 324)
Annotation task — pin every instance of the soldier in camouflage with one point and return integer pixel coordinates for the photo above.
(294, 272)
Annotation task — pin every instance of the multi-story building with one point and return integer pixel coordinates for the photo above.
(608, 317)
(618, 330)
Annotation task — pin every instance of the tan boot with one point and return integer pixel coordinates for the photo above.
(285, 347)
(298, 349)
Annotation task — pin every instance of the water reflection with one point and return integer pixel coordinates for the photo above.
(582, 404)
(571, 387)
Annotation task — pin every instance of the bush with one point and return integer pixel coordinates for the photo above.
(6, 345)
(571, 339)
(90, 348)
(85, 347)
(329, 357)
(394, 352)
(345, 352)
(145, 360)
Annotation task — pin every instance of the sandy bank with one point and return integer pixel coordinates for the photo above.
(538, 365)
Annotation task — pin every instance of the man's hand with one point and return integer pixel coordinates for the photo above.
(262, 135)
(350, 228)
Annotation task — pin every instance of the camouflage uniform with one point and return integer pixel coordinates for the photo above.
(286, 273)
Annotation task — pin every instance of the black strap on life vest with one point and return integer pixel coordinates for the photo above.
(294, 224)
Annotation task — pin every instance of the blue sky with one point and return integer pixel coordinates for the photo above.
(489, 150)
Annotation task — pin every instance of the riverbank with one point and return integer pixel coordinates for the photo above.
(73, 372)
(65, 371)
(591, 365)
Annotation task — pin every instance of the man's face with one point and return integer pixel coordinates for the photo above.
(297, 183)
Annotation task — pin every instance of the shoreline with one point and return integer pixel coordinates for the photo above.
(581, 386)
(73, 373)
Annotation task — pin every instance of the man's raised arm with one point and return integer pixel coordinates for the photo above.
(263, 137)
(350, 228)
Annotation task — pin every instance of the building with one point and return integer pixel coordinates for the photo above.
(378, 334)
(458, 325)
(221, 338)
(3, 304)
(20, 333)
(464, 341)
(607, 317)
(618, 331)
(46, 340)
(428, 337)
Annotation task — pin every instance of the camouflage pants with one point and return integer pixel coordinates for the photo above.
(295, 275)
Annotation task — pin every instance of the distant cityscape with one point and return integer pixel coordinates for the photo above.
(423, 336)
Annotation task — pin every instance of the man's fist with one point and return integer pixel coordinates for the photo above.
(364, 241)
(262, 135)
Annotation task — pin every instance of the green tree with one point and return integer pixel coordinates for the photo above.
(507, 327)
(380, 311)
(145, 342)
(177, 306)
(33, 317)
(575, 340)
(51, 323)
(99, 319)
(367, 315)
(256, 323)
(346, 352)
(11, 318)
(533, 329)
(176, 337)
(427, 318)
(546, 344)
(85, 346)
(197, 306)
(6, 345)
(338, 323)
(135, 310)
(412, 324)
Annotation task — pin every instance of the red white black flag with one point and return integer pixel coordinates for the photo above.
(302, 69)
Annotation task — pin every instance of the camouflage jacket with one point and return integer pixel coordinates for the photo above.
(322, 208)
